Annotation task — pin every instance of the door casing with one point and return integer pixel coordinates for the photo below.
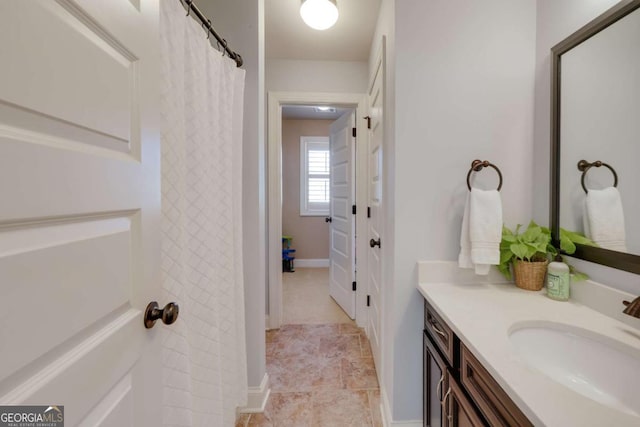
(274, 161)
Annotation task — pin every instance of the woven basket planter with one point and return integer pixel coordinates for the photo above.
(530, 275)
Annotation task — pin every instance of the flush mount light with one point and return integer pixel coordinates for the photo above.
(319, 14)
(325, 109)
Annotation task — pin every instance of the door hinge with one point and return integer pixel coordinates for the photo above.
(353, 285)
(353, 132)
(368, 119)
(368, 300)
(353, 209)
(368, 211)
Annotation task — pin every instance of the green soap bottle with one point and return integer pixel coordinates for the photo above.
(558, 280)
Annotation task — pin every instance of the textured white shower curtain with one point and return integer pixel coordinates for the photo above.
(204, 352)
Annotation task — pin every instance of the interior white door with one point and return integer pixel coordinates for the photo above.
(375, 207)
(342, 190)
(80, 186)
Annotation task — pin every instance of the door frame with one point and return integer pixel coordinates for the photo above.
(274, 193)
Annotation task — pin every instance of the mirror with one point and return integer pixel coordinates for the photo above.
(596, 137)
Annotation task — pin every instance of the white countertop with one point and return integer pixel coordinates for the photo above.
(481, 315)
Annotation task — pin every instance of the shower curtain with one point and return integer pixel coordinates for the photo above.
(204, 352)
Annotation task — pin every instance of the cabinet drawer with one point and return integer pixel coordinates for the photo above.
(489, 397)
(459, 411)
(439, 331)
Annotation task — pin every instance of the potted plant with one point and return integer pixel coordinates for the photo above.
(529, 253)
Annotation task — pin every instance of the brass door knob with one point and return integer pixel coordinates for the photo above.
(169, 314)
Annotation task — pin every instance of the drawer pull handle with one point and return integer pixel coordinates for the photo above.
(436, 328)
(438, 390)
(444, 400)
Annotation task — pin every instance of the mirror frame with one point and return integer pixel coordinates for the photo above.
(620, 260)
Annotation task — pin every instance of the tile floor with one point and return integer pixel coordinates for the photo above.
(320, 364)
(305, 298)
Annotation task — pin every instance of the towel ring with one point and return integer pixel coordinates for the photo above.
(477, 165)
(584, 167)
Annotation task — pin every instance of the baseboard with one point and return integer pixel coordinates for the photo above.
(311, 263)
(385, 411)
(257, 397)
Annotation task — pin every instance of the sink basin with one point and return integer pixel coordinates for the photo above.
(593, 365)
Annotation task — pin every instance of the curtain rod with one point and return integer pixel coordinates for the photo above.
(206, 24)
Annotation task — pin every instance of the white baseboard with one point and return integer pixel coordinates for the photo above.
(311, 263)
(257, 397)
(385, 411)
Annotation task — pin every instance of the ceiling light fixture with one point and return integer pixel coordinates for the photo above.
(319, 14)
(325, 109)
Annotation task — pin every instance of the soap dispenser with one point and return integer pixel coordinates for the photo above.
(558, 279)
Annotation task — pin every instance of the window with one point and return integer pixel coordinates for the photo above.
(314, 175)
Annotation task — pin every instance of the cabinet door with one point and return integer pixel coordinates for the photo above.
(435, 383)
(459, 411)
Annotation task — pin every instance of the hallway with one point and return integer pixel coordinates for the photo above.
(320, 368)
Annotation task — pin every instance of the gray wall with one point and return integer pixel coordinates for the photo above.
(463, 85)
(288, 75)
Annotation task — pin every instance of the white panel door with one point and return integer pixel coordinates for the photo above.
(375, 213)
(341, 255)
(80, 187)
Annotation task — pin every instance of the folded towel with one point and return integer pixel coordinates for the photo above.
(604, 219)
(481, 231)
(464, 259)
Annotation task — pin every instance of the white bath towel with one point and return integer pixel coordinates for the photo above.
(481, 231)
(604, 219)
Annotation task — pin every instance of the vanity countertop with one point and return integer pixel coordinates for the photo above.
(482, 315)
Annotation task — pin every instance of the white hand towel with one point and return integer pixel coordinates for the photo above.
(604, 219)
(485, 228)
(464, 259)
(481, 231)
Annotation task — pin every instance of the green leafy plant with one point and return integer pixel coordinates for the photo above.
(568, 241)
(534, 245)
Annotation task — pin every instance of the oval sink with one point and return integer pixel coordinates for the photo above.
(593, 365)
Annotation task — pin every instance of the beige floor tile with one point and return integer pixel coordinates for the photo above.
(341, 408)
(260, 420)
(289, 409)
(319, 362)
(365, 346)
(374, 403)
(340, 346)
(295, 374)
(359, 373)
(350, 329)
(242, 420)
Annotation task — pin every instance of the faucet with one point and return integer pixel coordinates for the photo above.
(633, 307)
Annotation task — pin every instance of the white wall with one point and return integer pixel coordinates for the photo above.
(241, 23)
(385, 28)
(287, 75)
(464, 86)
(555, 21)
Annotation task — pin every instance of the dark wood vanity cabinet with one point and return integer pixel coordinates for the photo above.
(435, 384)
(458, 391)
(460, 411)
